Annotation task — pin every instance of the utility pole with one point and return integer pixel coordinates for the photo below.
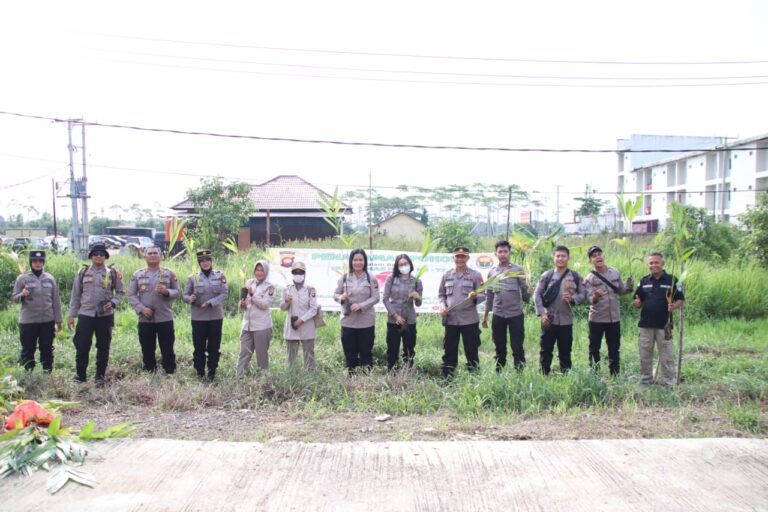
(78, 191)
(509, 206)
(723, 169)
(370, 222)
(53, 197)
(84, 197)
(557, 215)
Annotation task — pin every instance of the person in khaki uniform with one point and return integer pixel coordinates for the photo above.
(458, 306)
(38, 294)
(256, 332)
(96, 292)
(206, 292)
(559, 289)
(300, 302)
(652, 298)
(402, 292)
(357, 292)
(151, 293)
(604, 287)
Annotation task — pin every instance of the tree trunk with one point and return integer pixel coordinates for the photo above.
(680, 345)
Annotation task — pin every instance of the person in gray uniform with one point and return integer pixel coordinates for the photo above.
(401, 292)
(559, 289)
(206, 292)
(299, 300)
(256, 331)
(38, 294)
(96, 292)
(151, 292)
(604, 287)
(506, 303)
(458, 298)
(357, 292)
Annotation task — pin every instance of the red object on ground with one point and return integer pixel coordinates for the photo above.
(27, 412)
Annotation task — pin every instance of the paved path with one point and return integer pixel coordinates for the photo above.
(153, 475)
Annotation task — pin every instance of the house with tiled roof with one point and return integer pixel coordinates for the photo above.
(287, 208)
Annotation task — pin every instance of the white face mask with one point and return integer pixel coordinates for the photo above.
(298, 278)
(404, 269)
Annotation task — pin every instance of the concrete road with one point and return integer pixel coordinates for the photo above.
(158, 475)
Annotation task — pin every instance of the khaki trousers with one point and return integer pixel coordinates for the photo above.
(666, 356)
(250, 342)
(307, 346)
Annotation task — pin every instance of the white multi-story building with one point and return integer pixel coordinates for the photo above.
(723, 176)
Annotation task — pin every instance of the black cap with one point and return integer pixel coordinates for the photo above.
(98, 247)
(593, 249)
(204, 254)
(36, 255)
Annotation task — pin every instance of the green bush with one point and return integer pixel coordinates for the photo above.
(8, 272)
(713, 241)
(755, 242)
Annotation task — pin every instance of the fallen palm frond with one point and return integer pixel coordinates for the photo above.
(494, 284)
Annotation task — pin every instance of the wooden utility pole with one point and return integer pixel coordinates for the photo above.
(509, 206)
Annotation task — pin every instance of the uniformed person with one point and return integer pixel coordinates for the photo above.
(299, 300)
(206, 292)
(402, 292)
(604, 287)
(96, 292)
(357, 292)
(151, 292)
(256, 332)
(506, 303)
(38, 294)
(656, 297)
(458, 298)
(559, 289)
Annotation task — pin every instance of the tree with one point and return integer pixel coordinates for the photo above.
(590, 206)
(454, 233)
(223, 207)
(756, 222)
(710, 239)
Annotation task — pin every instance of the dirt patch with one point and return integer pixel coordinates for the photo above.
(275, 425)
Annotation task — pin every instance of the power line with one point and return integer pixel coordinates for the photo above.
(5, 187)
(420, 56)
(403, 71)
(377, 144)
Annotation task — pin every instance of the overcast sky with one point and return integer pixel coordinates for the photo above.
(364, 72)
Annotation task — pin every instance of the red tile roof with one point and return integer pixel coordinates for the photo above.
(280, 193)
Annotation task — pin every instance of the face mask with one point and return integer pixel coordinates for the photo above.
(404, 269)
(298, 278)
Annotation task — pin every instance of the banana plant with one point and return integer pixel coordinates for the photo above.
(628, 208)
(429, 245)
(177, 226)
(333, 207)
(494, 283)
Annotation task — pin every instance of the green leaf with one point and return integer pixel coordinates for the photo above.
(54, 427)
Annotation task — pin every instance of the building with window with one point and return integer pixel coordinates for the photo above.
(721, 175)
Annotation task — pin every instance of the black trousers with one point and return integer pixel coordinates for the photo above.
(358, 346)
(563, 336)
(395, 333)
(86, 327)
(516, 327)
(33, 336)
(470, 336)
(152, 334)
(206, 338)
(612, 331)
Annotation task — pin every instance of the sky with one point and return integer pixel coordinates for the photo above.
(556, 75)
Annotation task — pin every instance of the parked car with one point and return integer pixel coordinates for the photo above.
(141, 241)
(59, 244)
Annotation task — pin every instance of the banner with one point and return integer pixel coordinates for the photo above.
(326, 266)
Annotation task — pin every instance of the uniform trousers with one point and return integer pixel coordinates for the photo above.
(357, 343)
(152, 334)
(516, 327)
(395, 333)
(470, 336)
(250, 342)
(33, 336)
(206, 338)
(307, 346)
(612, 331)
(86, 327)
(666, 349)
(563, 336)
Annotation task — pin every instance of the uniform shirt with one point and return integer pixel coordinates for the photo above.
(561, 311)
(653, 292)
(607, 308)
(97, 287)
(212, 289)
(454, 288)
(363, 290)
(257, 315)
(142, 294)
(303, 305)
(396, 291)
(507, 301)
(43, 303)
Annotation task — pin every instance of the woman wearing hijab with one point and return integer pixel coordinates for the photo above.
(256, 332)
